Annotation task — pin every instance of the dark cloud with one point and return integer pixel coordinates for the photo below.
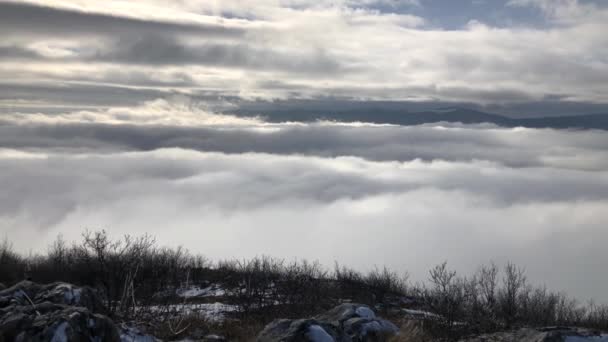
(517, 148)
(20, 19)
(18, 52)
(165, 50)
(76, 93)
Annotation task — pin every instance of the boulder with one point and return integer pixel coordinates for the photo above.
(344, 323)
(53, 312)
(300, 330)
(67, 324)
(2, 287)
(26, 292)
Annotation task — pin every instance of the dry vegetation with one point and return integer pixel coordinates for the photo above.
(132, 275)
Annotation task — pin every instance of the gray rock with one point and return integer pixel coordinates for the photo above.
(299, 330)
(344, 323)
(57, 312)
(68, 324)
(2, 287)
(26, 292)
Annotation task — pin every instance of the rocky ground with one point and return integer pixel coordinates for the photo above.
(61, 312)
(346, 322)
(54, 312)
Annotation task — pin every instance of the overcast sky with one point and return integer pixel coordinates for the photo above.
(85, 53)
(121, 115)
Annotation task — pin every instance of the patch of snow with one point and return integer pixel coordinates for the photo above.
(316, 333)
(196, 291)
(132, 334)
(365, 312)
(60, 334)
(211, 311)
(421, 314)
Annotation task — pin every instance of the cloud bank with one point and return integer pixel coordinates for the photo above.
(361, 194)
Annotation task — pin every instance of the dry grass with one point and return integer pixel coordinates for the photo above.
(411, 331)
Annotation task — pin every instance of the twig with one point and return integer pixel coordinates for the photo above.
(31, 302)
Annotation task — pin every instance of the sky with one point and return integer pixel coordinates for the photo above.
(128, 116)
(74, 54)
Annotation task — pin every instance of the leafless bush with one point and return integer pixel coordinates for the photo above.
(137, 279)
(12, 266)
(509, 300)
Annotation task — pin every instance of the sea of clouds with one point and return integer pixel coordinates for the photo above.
(360, 194)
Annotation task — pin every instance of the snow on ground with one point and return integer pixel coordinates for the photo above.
(197, 291)
(132, 334)
(420, 314)
(211, 311)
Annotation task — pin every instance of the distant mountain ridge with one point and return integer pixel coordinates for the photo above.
(462, 115)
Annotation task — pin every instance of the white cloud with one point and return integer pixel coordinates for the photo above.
(179, 111)
(536, 197)
(563, 11)
(301, 49)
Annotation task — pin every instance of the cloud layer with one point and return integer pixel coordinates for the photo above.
(277, 49)
(360, 194)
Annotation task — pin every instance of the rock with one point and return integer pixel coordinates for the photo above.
(300, 330)
(2, 287)
(71, 295)
(53, 312)
(549, 334)
(344, 323)
(68, 324)
(26, 292)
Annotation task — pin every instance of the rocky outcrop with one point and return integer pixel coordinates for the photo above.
(53, 312)
(2, 287)
(550, 334)
(344, 323)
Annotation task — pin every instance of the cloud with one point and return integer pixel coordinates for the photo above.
(564, 11)
(48, 21)
(180, 111)
(184, 123)
(358, 193)
(300, 49)
(159, 50)
(346, 209)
